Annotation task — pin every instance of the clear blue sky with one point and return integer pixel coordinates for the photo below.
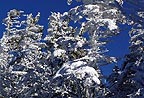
(45, 7)
(118, 46)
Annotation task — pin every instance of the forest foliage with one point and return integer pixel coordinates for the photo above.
(66, 62)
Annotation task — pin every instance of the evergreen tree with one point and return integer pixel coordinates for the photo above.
(130, 81)
(66, 63)
(82, 56)
(23, 65)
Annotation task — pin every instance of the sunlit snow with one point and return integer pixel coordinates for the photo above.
(59, 52)
(80, 70)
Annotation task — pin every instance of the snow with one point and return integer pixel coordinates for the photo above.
(120, 2)
(111, 23)
(91, 7)
(63, 70)
(77, 64)
(141, 14)
(113, 59)
(80, 70)
(86, 58)
(58, 52)
(34, 29)
(90, 72)
(80, 43)
(19, 72)
(32, 46)
(113, 10)
(138, 42)
(69, 2)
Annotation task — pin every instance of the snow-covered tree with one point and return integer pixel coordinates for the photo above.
(130, 81)
(66, 63)
(24, 70)
(79, 57)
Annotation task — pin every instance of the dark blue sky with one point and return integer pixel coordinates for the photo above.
(118, 46)
(45, 7)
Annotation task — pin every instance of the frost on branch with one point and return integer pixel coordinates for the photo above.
(69, 46)
(66, 63)
(80, 70)
(78, 74)
(99, 21)
(24, 70)
(130, 82)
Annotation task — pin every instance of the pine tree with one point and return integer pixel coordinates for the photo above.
(24, 68)
(66, 63)
(130, 84)
(80, 54)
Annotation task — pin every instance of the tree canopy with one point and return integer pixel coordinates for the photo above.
(66, 62)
